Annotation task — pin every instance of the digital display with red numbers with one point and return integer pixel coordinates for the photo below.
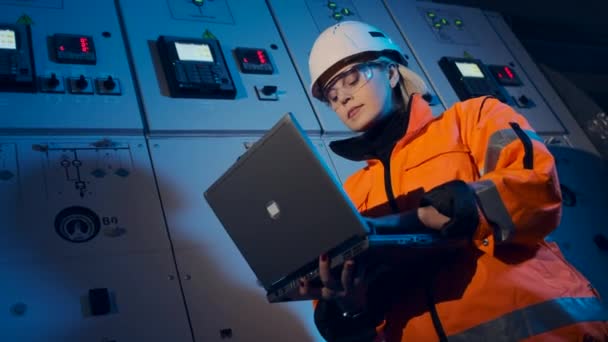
(74, 49)
(505, 75)
(253, 61)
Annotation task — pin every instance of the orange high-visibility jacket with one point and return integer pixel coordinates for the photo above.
(515, 284)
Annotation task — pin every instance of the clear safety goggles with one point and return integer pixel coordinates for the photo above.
(349, 81)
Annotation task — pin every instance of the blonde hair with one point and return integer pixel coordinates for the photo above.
(409, 82)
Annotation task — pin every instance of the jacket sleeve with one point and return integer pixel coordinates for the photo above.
(518, 192)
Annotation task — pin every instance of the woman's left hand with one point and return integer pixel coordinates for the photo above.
(430, 217)
(349, 292)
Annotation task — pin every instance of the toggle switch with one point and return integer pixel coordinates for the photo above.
(524, 102)
(269, 90)
(82, 82)
(80, 85)
(52, 84)
(267, 93)
(109, 83)
(107, 86)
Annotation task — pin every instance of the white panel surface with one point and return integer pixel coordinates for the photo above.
(234, 24)
(108, 183)
(47, 301)
(476, 38)
(63, 112)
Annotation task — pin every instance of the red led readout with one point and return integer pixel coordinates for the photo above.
(261, 57)
(509, 72)
(84, 44)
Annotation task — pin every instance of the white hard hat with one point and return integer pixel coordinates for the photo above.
(343, 43)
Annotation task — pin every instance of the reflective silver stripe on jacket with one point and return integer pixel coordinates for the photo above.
(497, 142)
(494, 210)
(536, 319)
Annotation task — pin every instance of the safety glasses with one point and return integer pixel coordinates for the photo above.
(349, 81)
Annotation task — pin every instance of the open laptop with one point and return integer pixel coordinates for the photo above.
(283, 207)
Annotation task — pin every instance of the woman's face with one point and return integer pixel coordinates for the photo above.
(361, 94)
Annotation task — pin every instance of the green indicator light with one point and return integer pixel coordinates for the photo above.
(444, 22)
(332, 5)
(431, 14)
(346, 11)
(437, 25)
(458, 22)
(337, 16)
(25, 20)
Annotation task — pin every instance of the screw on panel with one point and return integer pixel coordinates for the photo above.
(19, 309)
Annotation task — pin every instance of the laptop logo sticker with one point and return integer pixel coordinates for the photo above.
(273, 210)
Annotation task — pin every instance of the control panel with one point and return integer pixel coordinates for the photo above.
(212, 67)
(465, 57)
(195, 68)
(471, 78)
(63, 72)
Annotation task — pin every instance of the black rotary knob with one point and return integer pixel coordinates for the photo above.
(109, 83)
(82, 82)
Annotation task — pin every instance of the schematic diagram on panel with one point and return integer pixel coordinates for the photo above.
(327, 13)
(85, 170)
(213, 11)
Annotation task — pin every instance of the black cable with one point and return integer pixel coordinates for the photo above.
(430, 300)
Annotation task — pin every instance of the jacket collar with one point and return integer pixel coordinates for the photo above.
(400, 128)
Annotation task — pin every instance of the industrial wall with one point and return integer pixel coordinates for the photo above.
(116, 116)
